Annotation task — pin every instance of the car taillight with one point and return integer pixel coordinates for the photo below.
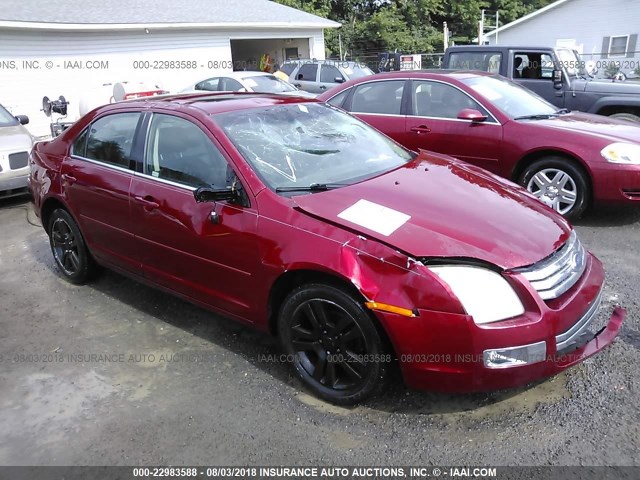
(132, 95)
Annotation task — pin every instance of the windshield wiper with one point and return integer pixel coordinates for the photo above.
(539, 116)
(314, 187)
(313, 151)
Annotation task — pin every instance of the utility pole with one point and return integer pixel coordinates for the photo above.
(446, 35)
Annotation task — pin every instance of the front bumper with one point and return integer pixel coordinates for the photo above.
(14, 186)
(614, 183)
(447, 352)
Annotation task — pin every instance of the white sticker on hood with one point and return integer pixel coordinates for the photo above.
(377, 218)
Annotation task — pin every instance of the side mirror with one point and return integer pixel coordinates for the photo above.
(206, 194)
(557, 79)
(338, 80)
(23, 119)
(471, 114)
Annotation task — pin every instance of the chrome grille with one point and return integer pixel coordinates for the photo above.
(557, 273)
(569, 339)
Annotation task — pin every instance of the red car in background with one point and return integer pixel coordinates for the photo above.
(292, 216)
(566, 159)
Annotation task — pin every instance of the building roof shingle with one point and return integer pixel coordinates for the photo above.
(153, 12)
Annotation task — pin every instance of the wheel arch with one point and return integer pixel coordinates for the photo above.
(48, 207)
(291, 279)
(532, 157)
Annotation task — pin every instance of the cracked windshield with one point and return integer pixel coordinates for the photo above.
(310, 146)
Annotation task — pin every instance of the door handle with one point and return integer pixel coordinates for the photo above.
(147, 202)
(323, 87)
(69, 179)
(420, 129)
(297, 85)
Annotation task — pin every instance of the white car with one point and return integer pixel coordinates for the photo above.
(246, 82)
(15, 146)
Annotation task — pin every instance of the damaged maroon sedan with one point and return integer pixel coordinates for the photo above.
(294, 217)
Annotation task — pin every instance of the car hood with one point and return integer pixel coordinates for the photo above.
(15, 138)
(436, 206)
(599, 125)
(617, 87)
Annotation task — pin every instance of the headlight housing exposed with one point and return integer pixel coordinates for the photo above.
(485, 295)
(624, 153)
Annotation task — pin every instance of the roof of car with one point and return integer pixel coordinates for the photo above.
(333, 61)
(214, 102)
(498, 47)
(433, 73)
(245, 74)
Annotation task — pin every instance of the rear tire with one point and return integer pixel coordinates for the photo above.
(333, 344)
(69, 249)
(558, 183)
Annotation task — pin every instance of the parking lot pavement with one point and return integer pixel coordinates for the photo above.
(115, 373)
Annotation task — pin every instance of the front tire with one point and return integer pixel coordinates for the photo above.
(558, 183)
(69, 250)
(334, 345)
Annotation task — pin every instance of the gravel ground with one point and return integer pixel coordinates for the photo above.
(186, 387)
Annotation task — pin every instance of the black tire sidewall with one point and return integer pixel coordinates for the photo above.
(577, 175)
(364, 321)
(86, 263)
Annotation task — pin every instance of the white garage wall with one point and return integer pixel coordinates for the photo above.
(22, 89)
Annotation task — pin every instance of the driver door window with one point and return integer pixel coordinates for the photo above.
(179, 151)
(439, 100)
(329, 74)
(533, 66)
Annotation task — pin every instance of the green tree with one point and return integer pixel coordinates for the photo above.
(415, 26)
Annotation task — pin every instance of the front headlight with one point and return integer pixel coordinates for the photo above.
(625, 153)
(484, 294)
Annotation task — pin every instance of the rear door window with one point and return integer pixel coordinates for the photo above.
(378, 97)
(484, 61)
(111, 138)
(307, 72)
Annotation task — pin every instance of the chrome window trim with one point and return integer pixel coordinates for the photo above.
(165, 181)
(104, 164)
(492, 119)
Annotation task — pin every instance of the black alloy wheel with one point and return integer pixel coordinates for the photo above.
(333, 343)
(68, 248)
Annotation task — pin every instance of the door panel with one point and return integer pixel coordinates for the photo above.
(184, 250)
(433, 125)
(99, 196)
(96, 181)
(207, 251)
(306, 78)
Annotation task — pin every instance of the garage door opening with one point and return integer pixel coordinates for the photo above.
(250, 55)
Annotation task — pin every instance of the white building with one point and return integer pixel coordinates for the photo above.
(599, 29)
(73, 48)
